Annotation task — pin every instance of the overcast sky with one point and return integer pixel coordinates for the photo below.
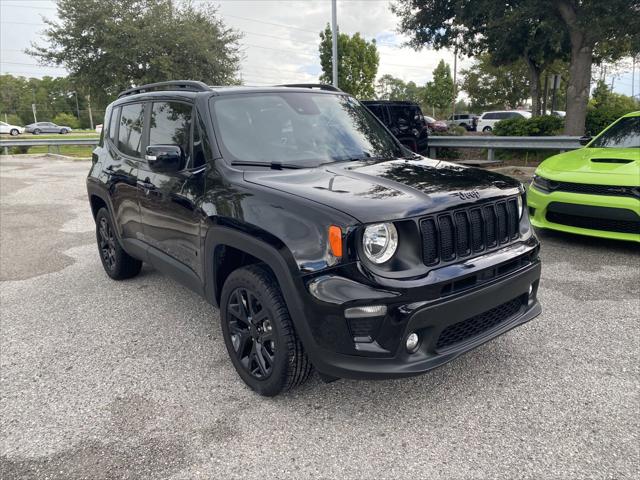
(280, 41)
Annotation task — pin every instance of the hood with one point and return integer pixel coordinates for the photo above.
(618, 166)
(376, 191)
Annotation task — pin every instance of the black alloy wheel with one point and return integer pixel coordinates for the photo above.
(107, 244)
(116, 262)
(258, 332)
(251, 331)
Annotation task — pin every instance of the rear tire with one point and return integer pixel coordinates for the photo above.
(36, 131)
(258, 332)
(118, 264)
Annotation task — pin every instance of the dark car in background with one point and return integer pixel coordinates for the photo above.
(404, 119)
(46, 127)
(434, 125)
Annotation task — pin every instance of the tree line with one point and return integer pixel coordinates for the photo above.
(110, 45)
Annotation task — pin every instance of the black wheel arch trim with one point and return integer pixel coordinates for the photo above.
(275, 259)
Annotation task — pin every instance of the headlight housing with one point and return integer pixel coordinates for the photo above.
(380, 242)
(520, 205)
(542, 184)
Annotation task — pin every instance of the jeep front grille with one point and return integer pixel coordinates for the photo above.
(462, 233)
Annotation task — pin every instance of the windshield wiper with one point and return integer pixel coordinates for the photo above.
(272, 165)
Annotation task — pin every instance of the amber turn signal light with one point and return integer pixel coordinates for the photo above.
(335, 240)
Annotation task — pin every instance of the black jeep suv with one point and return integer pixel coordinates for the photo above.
(323, 240)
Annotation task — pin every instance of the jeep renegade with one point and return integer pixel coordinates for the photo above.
(323, 241)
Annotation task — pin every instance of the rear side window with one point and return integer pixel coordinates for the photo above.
(377, 110)
(170, 124)
(113, 124)
(201, 146)
(130, 130)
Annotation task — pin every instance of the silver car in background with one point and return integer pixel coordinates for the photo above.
(46, 127)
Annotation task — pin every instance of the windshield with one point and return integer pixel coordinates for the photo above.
(302, 129)
(625, 133)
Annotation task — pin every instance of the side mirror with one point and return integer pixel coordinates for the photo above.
(584, 140)
(164, 158)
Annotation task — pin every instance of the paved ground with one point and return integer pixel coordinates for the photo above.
(104, 380)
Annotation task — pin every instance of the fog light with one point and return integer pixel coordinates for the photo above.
(412, 342)
(366, 311)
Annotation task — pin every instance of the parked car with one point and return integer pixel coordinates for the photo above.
(322, 239)
(487, 120)
(404, 120)
(434, 125)
(465, 120)
(594, 190)
(12, 130)
(46, 127)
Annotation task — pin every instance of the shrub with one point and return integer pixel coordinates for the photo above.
(448, 152)
(66, 119)
(542, 126)
(602, 114)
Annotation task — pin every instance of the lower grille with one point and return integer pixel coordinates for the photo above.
(593, 223)
(469, 328)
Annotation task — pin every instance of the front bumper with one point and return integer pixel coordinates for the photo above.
(465, 319)
(539, 203)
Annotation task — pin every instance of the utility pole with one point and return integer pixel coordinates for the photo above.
(455, 86)
(77, 106)
(334, 42)
(89, 107)
(633, 77)
(33, 105)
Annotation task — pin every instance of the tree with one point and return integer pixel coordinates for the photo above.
(490, 87)
(110, 45)
(358, 62)
(539, 30)
(389, 87)
(606, 106)
(609, 28)
(439, 92)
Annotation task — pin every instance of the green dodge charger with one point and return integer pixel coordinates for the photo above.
(594, 190)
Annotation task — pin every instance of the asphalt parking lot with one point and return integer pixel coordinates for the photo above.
(103, 379)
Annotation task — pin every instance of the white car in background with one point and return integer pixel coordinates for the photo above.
(488, 120)
(12, 130)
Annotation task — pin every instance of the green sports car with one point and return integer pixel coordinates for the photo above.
(594, 190)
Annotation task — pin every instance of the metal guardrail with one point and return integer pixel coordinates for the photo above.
(47, 142)
(492, 143)
(488, 142)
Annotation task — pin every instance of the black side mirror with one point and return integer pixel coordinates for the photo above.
(164, 158)
(584, 140)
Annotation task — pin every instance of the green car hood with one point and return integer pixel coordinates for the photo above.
(605, 166)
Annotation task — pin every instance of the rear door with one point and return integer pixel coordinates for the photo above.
(125, 142)
(169, 201)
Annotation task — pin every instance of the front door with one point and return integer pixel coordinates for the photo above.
(169, 202)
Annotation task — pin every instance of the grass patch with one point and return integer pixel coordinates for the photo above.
(76, 151)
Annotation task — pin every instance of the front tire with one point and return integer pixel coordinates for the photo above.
(14, 132)
(64, 131)
(486, 129)
(118, 264)
(258, 332)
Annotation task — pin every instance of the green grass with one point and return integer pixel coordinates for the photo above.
(76, 151)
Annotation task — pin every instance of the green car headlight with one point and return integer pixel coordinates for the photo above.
(542, 184)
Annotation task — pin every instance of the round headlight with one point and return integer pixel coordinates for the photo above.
(380, 242)
(519, 206)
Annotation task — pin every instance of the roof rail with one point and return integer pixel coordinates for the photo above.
(187, 85)
(321, 86)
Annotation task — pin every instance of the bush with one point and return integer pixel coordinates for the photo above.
(602, 114)
(447, 152)
(13, 119)
(66, 119)
(542, 126)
